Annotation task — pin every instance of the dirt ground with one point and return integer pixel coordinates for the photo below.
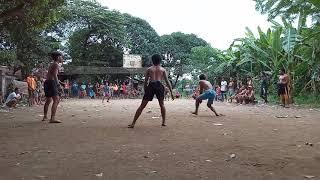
(93, 142)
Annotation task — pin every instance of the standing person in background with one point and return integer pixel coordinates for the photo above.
(100, 89)
(283, 89)
(32, 85)
(250, 82)
(264, 87)
(96, 89)
(111, 90)
(106, 92)
(39, 91)
(121, 90)
(124, 90)
(91, 92)
(83, 91)
(75, 89)
(66, 89)
(224, 89)
(231, 89)
(115, 89)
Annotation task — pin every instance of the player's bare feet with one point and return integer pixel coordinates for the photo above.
(44, 119)
(195, 113)
(131, 126)
(54, 121)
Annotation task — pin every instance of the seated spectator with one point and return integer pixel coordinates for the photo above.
(249, 95)
(13, 98)
(178, 94)
(241, 94)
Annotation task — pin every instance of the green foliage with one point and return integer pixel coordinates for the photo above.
(176, 49)
(141, 38)
(23, 21)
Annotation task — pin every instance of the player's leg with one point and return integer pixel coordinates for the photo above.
(163, 112)
(138, 113)
(54, 109)
(212, 109)
(198, 101)
(45, 108)
(210, 102)
(160, 96)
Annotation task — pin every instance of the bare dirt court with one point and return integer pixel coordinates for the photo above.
(93, 142)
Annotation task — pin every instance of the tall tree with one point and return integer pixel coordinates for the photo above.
(23, 21)
(141, 38)
(98, 34)
(176, 49)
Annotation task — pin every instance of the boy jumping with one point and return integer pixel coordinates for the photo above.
(206, 92)
(51, 87)
(153, 86)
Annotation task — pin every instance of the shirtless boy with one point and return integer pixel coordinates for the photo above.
(206, 92)
(153, 86)
(51, 87)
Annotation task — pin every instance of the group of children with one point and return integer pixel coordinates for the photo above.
(35, 90)
(242, 94)
(100, 90)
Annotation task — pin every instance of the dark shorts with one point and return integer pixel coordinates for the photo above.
(50, 88)
(282, 89)
(154, 88)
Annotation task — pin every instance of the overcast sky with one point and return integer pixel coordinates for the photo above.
(216, 21)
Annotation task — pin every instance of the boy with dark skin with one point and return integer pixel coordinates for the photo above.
(153, 86)
(51, 87)
(206, 92)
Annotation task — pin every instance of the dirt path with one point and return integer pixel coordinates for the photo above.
(94, 143)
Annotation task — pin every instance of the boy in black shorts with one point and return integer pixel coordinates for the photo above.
(51, 87)
(153, 86)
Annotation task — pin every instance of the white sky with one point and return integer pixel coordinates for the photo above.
(218, 22)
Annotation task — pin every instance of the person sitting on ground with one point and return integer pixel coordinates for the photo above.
(249, 95)
(178, 95)
(13, 98)
(240, 95)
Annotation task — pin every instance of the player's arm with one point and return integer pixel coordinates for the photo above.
(201, 88)
(56, 71)
(168, 83)
(146, 79)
